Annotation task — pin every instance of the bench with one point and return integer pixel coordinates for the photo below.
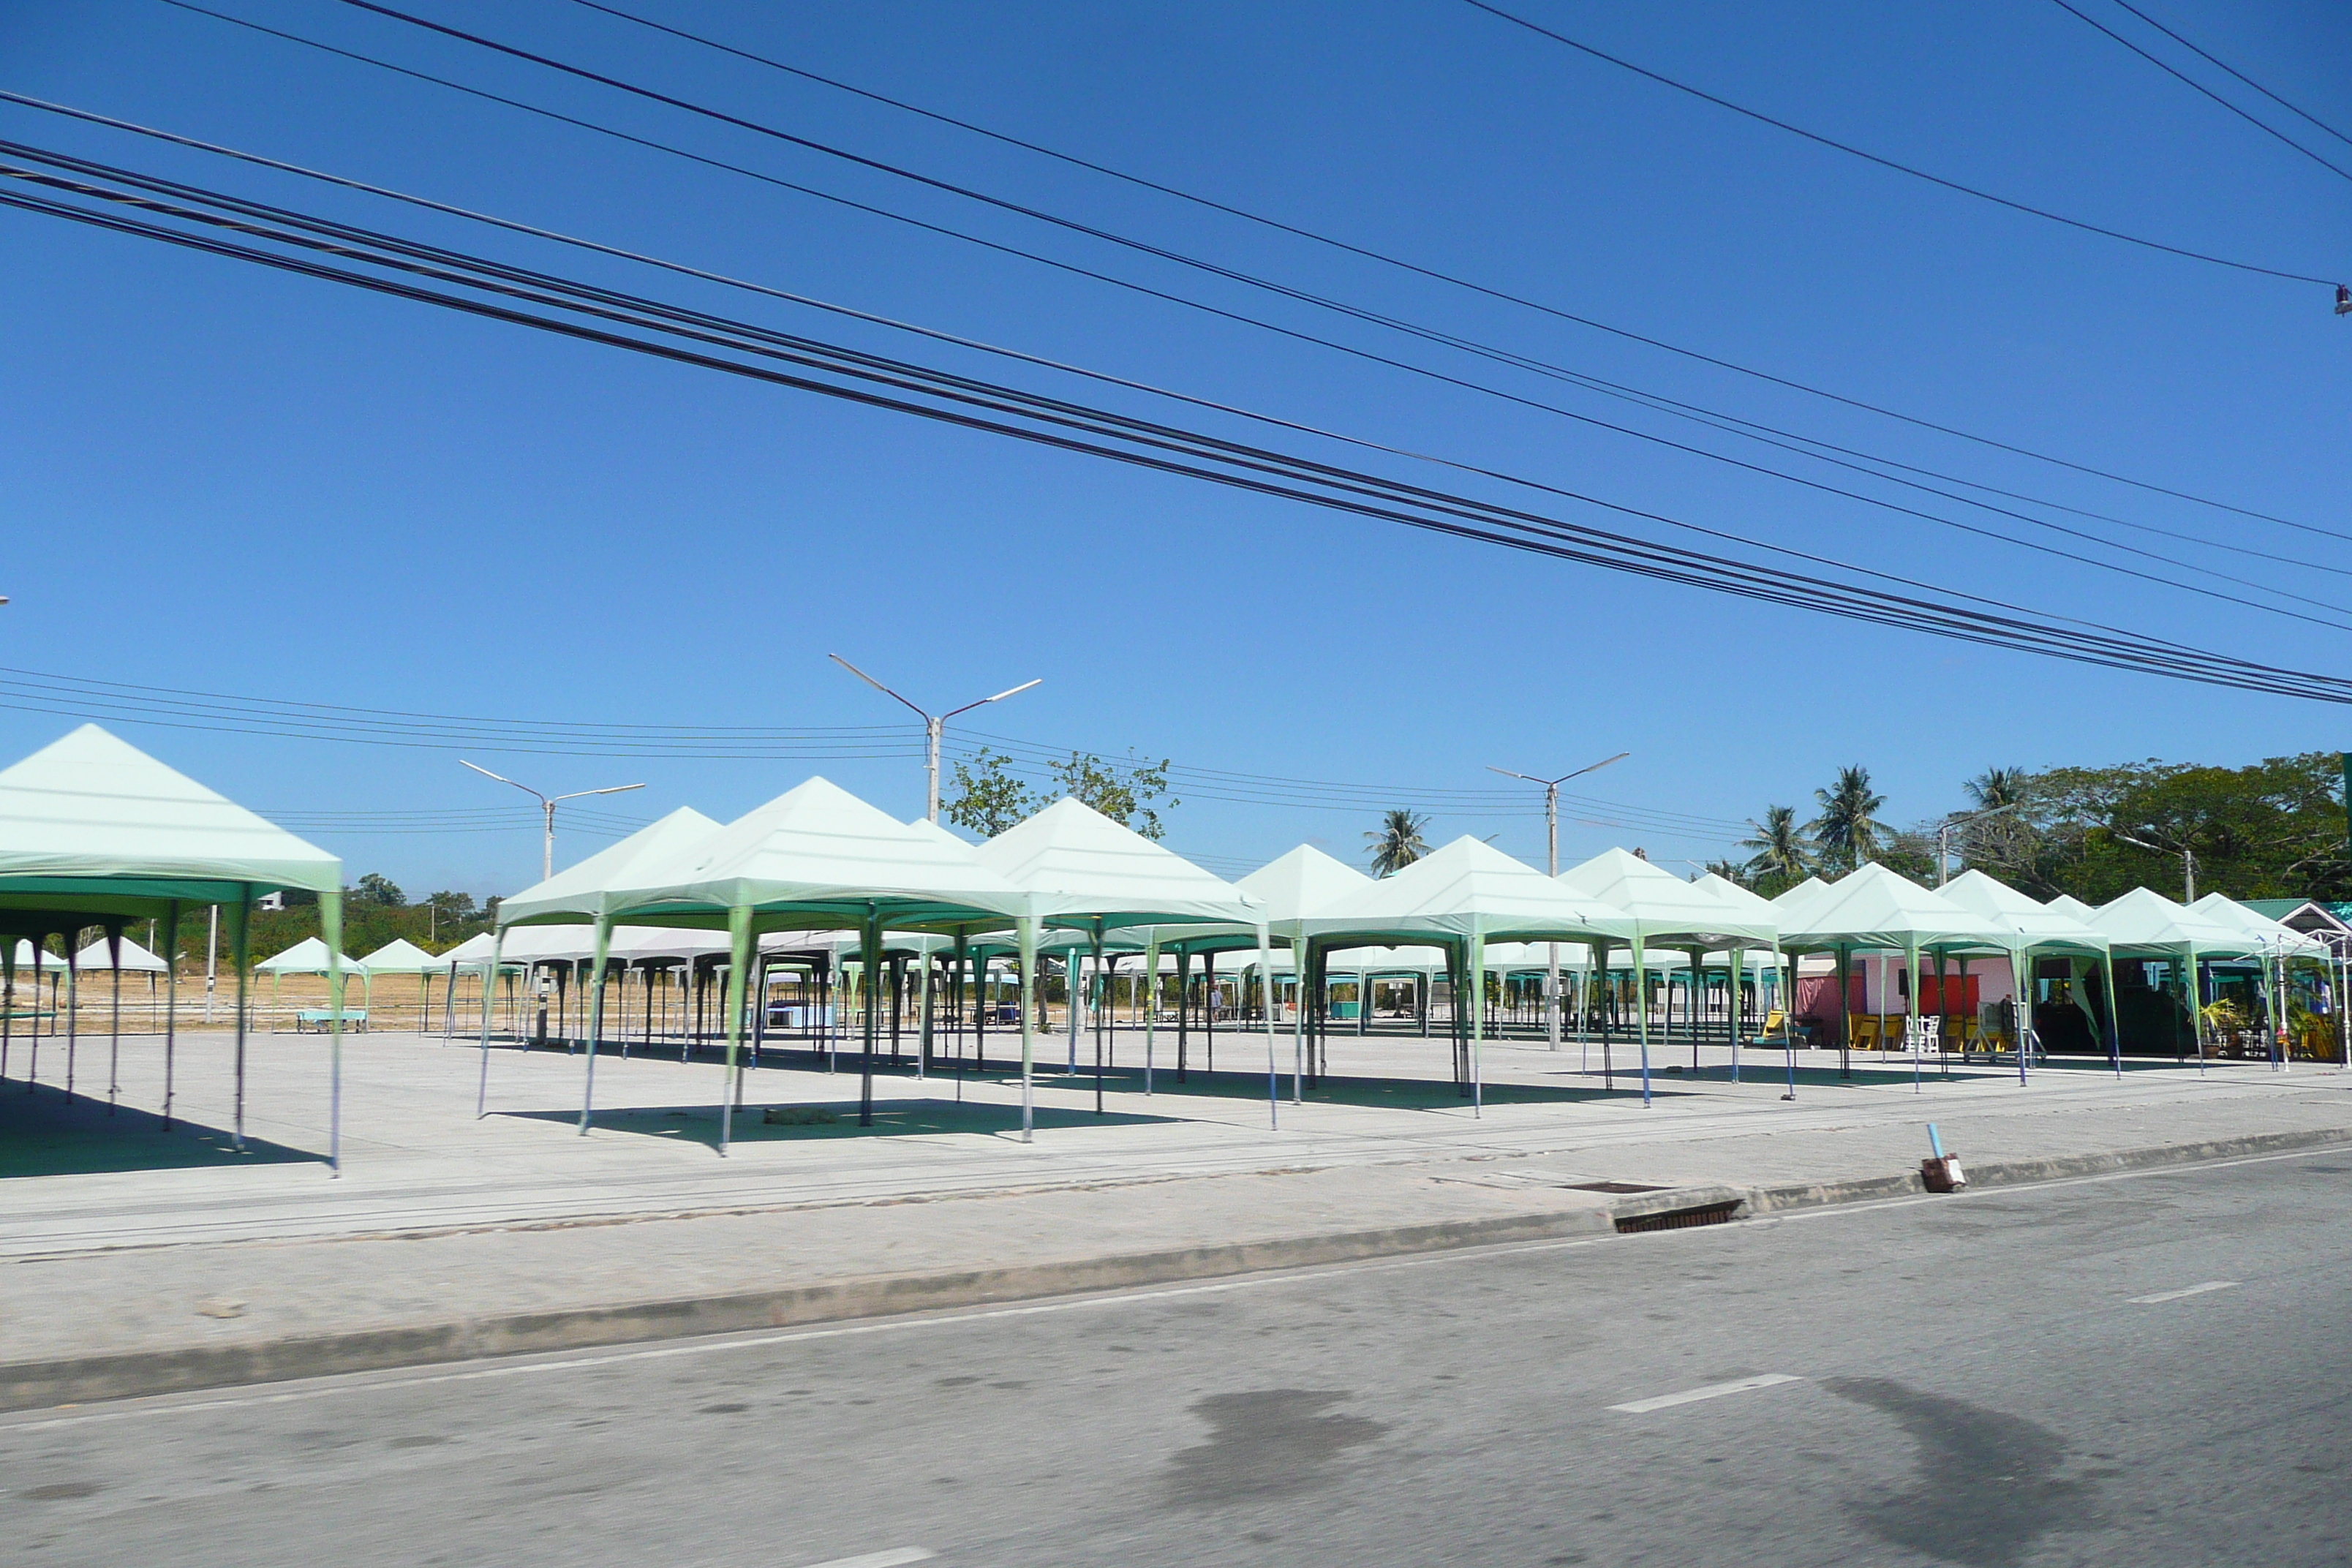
(322, 1018)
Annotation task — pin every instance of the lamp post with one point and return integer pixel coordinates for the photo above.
(1551, 853)
(934, 725)
(1944, 834)
(2188, 859)
(547, 804)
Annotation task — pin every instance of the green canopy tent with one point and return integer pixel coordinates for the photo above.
(313, 956)
(94, 831)
(1875, 910)
(2281, 945)
(402, 956)
(1661, 908)
(814, 859)
(2040, 929)
(2144, 923)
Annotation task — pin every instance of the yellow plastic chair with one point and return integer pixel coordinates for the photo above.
(1865, 1028)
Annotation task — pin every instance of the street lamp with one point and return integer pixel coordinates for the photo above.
(547, 804)
(934, 725)
(1944, 833)
(1551, 852)
(2187, 859)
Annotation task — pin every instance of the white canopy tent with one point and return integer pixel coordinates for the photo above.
(2040, 929)
(814, 859)
(1083, 872)
(95, 832)
(1465, 894)
(2144, 923)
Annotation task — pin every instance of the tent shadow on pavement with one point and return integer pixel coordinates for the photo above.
(43, 1134)
(804, 1121)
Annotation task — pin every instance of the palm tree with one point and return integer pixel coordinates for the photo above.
(1848, 828)
(1996, 787)
(1397, 842)
(2007, 840)
(1780, 850)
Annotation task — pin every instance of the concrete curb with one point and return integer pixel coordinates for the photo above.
(26, 1385)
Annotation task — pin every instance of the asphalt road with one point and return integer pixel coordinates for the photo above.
(1968, 1380)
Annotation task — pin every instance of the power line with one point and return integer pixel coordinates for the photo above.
(1655, 402)
(2224, 65)
(1853, 151)
(2181, 76)
(972, 403)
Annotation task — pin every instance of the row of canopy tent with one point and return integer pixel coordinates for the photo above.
(94, 832)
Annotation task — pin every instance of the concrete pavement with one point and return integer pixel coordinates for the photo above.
(449, 1236)
(2146, 1368)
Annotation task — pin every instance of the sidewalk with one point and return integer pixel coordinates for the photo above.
(450, 1237)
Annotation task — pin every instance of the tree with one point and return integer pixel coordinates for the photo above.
(989, 798)
(1782, 857)
(1397, 842)
(1848, 829)
(1122, 794)
(375, 888)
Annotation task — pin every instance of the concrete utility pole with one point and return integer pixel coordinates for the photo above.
(934, 725)
(547, 804)
(1944, 834)
(1551, 852)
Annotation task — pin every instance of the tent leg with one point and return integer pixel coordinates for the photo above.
(739, 934)
(73, 1007)
(490, 995)
(170, 1004)
(330, 927)
(1477, 1025)
(1151, 1005)
(1101, 1011)
(1642, 1014)
(595, 1019)
(1025, 929)
(240, 948)
(114, 1022)
(1273, 1074)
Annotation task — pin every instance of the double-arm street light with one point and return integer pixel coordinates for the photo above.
(934, 725)
(1551, 854)
(2187, 859)
(547, 804)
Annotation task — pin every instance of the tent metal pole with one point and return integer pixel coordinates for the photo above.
(240, 954)
(114, 1021)
(738, 946)
(1183, 1008)
(1733, 1010)
(1477, 1021)
(923, 1047)
(869, 947)
(595, 1019)
(1299, 969)
(171, 1002)
(1098, 1012)
(1151, 1004)
(1072, 990)
(1273, 1074)
(489, 997)
(73, 1006)
(330, 926)
(1911, 1013)
(1641, 1012)
(1025, 931)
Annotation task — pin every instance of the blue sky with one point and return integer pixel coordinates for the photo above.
(221, 480)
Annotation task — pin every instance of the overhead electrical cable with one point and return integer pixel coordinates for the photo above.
(1654, 401)
(349, 231)
(688, 337)
(2179, 75)
(1851, 150)
(2224, 65)
(280, 214)
(1435, 274)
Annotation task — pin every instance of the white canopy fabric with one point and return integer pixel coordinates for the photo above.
(402, 956)
(1789, 907)
(2277, 940)
(2043, 927)
(584, 890)
(1078, 867)
(1873, 908)
(1470, 889)
(1739, 898)
(1296, 887)
(93, 818)
(135, 958)
(308, 956)
(2144, 923)
(1662, 905)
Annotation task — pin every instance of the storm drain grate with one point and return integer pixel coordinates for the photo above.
(1612, 1187)
(1678, 1219)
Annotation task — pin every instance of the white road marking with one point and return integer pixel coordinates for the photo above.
(890, 1559)
(1711, 1391)
(2192, 1291)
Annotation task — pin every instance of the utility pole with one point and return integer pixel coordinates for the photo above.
(934, 725)
(547, 804)
(1944, 834)
(2187, 859)
(1551, 854)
